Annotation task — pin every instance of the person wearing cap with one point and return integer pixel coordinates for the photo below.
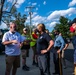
(34, 38)
(25, 49)
(47, 31)
(63, 51)
(73, 30)
(12, 41)
(58, 47)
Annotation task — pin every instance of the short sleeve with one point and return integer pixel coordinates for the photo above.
(22, 38)
(5, 37)
(48, 37)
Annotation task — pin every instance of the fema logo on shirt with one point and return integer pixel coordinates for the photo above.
(41, 37)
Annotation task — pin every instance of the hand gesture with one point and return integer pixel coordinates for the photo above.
(14, 41)
(58, 51)
(43, 51)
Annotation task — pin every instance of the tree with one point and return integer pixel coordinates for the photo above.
(7, 9)
(20, 21)
(63, 26)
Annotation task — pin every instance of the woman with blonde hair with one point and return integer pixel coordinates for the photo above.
(44, 44)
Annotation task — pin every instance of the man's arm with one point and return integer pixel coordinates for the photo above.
(62, 44)
(51, 43)
(5, 40)
(66, 46)
(10, 42)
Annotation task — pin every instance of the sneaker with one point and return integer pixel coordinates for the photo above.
(34, 63)
(25, 68)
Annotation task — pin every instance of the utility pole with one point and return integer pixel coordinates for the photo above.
(30, 13)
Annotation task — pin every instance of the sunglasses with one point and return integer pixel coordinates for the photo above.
(13, 27)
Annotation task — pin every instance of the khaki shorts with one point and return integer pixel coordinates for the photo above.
(25, 53)
(34, 49)
(62, 54)
(12, 61)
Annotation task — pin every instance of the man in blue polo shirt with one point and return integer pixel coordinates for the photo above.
(12, 41)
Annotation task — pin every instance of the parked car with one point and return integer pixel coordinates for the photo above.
(2, 47)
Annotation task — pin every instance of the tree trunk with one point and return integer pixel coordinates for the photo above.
(1, 9)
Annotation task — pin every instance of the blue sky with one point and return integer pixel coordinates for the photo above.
(47, 11)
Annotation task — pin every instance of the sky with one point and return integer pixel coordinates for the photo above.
(46, 11)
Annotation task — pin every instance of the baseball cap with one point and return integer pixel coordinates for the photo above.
(25, 29)
(74, 21)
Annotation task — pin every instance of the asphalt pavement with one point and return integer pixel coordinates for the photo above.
(35, 70)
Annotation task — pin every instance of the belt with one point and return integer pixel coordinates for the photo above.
(57, 48)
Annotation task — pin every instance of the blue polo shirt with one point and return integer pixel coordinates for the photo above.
(12, 49)
(43, 42)
(59, 42)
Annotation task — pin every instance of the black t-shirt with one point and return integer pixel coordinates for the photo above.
(43, 42)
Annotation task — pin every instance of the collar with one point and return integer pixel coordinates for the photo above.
(11, 32)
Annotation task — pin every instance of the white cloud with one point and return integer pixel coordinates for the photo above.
(36, 19)
(72, 3)
(56, 14)
(51, 20)
(39, 19)
(44, 2)
(19, 2)
(34, 4)
(53, 24)
(34, 14)
(36, 8)
(9, 0)
(26, 10)
(29, 3)
(3, 26)
(69, 14)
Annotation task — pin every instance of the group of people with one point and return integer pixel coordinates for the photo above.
(41, 44)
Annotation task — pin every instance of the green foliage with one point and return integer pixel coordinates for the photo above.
(6, 15)
(20, 20)
(63, 26)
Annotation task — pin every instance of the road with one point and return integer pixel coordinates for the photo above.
(35, 71)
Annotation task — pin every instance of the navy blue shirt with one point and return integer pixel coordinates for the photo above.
(43, 42)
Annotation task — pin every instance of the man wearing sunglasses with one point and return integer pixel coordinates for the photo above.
(12, 41)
